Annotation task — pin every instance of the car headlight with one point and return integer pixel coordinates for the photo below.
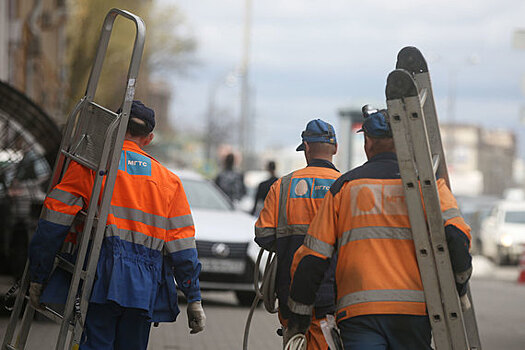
(506, 241)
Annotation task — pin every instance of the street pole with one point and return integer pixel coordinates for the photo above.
(245, 87)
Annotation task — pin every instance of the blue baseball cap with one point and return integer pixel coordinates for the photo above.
(146, 114)
(317, 130)
(140, 111)
(376, 125)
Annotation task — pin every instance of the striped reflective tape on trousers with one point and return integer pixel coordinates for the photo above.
(264, 231)
(135, 237)
(319, 246)
(450, 214)
(299, 308)
(152, 219)
(180, 244)
(65, 197)
(57, 217)
(375, 232)
(381, 295)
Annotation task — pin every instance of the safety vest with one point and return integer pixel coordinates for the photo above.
(290, 206)
(365, 219)
(149, 232)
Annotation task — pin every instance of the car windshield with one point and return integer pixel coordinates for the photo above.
(515, 217)
(203, 195)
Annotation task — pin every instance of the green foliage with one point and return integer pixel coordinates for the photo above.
(168, 48)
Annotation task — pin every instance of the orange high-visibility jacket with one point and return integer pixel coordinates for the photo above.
(149, 236)
(364, 219)
(288, 210)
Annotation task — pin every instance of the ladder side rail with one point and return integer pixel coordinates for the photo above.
(423, 248)
(471, 324)
(432, 124)
(111, 167)
(60, 163)
(82, 251)
(105, 35)
(17, 309)
(29, 314)
(418, 132)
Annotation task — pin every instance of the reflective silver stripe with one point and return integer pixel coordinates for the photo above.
(319, 246)
(451, 213)
(291, 230)
(57, 217)
(152, 219)
(180, 222)
(135, 237)
(181, 244)
(139, 216)
(299, 308)
(375, 232)
(367, 296)
(463, 277)
(264, 232)
(65, 197)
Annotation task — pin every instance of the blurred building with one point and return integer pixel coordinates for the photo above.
(480, 161)
(32, 51)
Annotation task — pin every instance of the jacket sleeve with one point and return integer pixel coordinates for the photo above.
(312, 259)
(458, 238)
(180, 245)
(60, 208)
(266, 225)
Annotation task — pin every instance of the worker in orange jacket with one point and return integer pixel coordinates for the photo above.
(288, 210)
(149, 239)
(364, 220)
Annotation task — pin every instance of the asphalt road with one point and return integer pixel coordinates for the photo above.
(499, 302)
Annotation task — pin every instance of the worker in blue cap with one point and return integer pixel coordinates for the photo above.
(364, 221)
(290, 206)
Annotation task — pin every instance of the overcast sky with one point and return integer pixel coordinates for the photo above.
(311, 57)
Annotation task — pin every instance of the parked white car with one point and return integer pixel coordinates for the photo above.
(224, 238)
(503, 232)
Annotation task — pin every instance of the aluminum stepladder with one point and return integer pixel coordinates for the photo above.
(93, 137)
(419, 149)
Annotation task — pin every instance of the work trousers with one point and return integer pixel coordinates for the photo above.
(386, 332)
(110, 326)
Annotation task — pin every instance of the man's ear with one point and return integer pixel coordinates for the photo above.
(148, 139)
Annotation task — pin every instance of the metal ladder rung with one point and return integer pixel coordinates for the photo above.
(80, 160)
(423, 96)
(10, 347)
(48, 312)
(435, 162)
(64, 264)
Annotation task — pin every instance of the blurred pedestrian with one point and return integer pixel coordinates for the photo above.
(288, 210)
(263, 188)
(364, 221)
(149, 239)
(230, 181)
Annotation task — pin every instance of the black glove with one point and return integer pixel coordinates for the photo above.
(296, 324)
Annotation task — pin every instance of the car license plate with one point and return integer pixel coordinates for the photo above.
(222, 265)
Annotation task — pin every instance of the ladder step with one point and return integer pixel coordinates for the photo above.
(81, 160)
(435, 163)
(10, 347)
(423, 96)
(49, 313)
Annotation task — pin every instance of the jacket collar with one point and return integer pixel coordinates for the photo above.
(383, 156)
(132, 146)
(321, 163)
